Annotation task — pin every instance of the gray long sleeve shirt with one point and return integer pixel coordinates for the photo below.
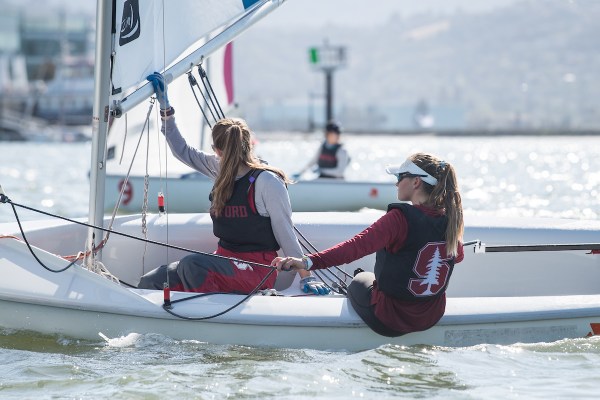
(271, 196)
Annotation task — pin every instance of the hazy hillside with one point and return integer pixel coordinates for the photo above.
(532, 64)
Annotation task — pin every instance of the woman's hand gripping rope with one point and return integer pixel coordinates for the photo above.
(309, 284)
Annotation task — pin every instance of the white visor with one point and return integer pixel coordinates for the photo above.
(411, 168)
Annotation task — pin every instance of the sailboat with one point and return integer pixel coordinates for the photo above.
(513, 289)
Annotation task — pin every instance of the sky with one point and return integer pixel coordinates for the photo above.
(320, 13)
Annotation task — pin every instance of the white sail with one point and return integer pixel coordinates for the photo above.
(152, 34)
(124, 132)
(125, 57)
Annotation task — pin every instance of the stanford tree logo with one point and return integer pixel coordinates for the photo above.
(432, 270)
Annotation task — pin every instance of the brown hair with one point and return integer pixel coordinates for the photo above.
(443, 196)
(234, 139)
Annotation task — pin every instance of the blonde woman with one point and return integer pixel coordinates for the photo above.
(250, 209)
(416, 247)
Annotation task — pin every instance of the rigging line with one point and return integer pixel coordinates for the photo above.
(166, 308)
(332, 285)
(126, 180)
(337, 284)
(31, 249)
(315, 250)
(163, 179)
(121, 282)
(164, 43)
(163, 128)
(124, 141)
(193, 82)
(340, 282)
(5, 199)
(212, 109)
(209, 89)
(145, 201)
(336, 280)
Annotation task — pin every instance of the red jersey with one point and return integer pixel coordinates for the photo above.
(390, 232)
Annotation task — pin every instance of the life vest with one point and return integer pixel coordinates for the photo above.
(421, 270)
(328, 156)
(240, 227)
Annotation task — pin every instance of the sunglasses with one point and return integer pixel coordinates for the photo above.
(403, 175)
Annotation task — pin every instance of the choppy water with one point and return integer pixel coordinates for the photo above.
(156, 367)
(511, 176)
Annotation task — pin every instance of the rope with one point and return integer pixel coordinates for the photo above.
(337, 284)
(211, 93)
(211, 102)
(193, 82)
(101, 269)
(167, 309)
(126, 180)
(5, 199)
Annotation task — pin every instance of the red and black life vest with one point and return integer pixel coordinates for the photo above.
(239, 227)
(421, 270)
(328, 156)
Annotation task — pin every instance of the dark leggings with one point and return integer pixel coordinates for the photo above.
(359, 294)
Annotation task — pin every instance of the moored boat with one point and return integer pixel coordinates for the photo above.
(189, 193)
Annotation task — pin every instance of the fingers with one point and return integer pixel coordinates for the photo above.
(324, 290)
(157, 80)
(281, 263)
(287, 263)
(310, 284)
(318, 289)
(276, 261)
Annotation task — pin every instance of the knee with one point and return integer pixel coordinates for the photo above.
(153, 279)
(363, 280)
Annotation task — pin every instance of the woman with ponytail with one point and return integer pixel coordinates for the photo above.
(250, 209)
(416, 247)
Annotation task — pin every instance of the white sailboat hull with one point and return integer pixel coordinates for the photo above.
(454, 330)
(492, 298)
(188, 193)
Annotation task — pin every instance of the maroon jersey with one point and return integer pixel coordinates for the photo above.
(389, 232)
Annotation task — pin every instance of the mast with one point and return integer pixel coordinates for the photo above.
(100, 117)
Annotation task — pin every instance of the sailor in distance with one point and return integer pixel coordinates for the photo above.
(331, 159)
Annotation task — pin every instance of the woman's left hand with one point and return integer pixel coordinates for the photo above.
(287, 263)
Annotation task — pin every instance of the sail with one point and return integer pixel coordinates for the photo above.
(152, 34)
(135, 38)
(124, 132)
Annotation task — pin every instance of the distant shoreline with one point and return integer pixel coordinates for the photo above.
(482, 132)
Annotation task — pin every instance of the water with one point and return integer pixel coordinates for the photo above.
(510, 176)
(154, 367)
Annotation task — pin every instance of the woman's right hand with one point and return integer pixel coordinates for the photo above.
(287, 263)
(160, 88)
